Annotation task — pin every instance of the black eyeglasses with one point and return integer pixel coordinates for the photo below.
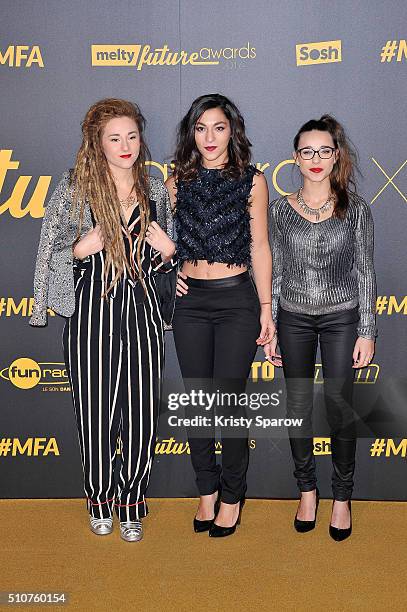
(323, 152)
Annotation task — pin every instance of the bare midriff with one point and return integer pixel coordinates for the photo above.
(204, 270)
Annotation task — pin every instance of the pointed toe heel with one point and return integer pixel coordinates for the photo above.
(201, 526)
(341, 534)
(217, 531)
(305, 526)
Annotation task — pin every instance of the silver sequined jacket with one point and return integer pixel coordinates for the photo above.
(53, 278)
(324, 267)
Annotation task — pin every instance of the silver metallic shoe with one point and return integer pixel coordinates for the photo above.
(131, 531)
(102, 526)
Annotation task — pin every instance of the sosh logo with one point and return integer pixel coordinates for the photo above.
(319, 53)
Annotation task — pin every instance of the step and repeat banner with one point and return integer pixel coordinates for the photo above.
(282, 63)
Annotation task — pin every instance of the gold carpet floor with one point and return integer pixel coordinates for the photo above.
(48, 547)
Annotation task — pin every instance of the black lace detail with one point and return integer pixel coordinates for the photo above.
(212, 218)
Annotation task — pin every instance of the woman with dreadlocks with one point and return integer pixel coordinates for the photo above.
(103, 240)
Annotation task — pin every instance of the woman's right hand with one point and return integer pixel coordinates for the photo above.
(182, 288)
(270, 352)
(91, 243)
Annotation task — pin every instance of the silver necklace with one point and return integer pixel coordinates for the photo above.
(313, 212)
(129, 201)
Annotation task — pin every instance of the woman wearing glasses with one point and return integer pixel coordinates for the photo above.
(323, 289)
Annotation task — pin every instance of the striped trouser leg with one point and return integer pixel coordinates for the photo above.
(143, 357)
(93, 354)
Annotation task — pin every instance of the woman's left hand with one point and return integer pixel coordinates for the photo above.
(158, 239)
(268, 329)
(363, 352)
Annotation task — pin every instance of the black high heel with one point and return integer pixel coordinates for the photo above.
(304, 526)
(216, 531)
(201, 526)
(341, 534)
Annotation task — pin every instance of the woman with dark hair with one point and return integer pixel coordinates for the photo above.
(323, 290)
(103, 240)
(221, 222)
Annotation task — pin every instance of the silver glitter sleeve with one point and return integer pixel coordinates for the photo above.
(49, 231)
(365, 272)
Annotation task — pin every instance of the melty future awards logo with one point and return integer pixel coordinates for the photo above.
(139, 56)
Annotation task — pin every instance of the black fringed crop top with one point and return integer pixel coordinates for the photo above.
(212, 218)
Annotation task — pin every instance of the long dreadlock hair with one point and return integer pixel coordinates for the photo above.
(93, 183)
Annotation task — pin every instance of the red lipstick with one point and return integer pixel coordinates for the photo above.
(126, 156)
(210, 148)
(316, 170)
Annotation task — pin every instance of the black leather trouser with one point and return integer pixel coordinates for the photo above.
(298, 339)
(215, 329)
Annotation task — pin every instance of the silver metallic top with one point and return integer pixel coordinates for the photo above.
(324, 267)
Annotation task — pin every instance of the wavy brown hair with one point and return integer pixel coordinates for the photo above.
(343, 175)
(187, 157)
(93, 183)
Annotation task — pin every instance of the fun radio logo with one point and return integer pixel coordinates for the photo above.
(318, 53)
(25, 373)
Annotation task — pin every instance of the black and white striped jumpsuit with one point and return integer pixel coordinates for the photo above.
(114, 351)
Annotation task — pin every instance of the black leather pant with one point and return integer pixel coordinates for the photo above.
(298, 339)
(215, 329)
